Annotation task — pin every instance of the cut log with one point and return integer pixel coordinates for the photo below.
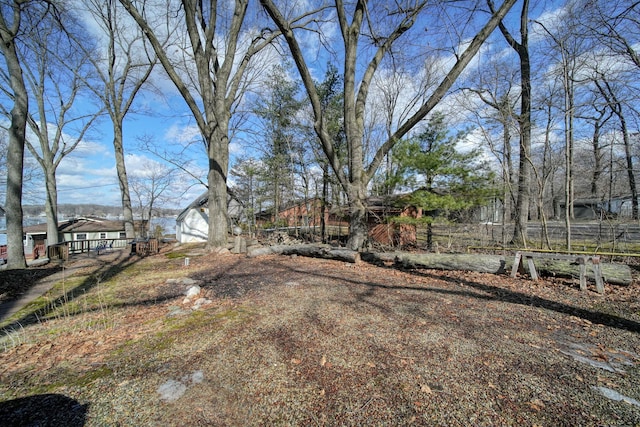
(310, 250)
(614, 274)
(495, 264)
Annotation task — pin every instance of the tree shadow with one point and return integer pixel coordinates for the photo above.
(43, 410)
(491, 293)
(16, 283)
(520, 298)
(102, 273)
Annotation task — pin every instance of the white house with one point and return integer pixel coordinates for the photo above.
(192, 224)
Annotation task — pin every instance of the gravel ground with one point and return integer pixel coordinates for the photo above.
(298, 341)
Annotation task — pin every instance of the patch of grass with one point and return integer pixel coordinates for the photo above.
(93, 375)
(185, 250)
(13, 336)
(176, 255)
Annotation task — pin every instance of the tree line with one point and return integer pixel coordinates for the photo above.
(549, 99)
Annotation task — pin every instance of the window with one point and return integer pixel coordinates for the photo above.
(123, 235)
(81, 236)
(103, 235)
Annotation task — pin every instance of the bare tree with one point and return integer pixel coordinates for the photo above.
(520, 233)
(400, 93)
(616, 25)
(122, 69)
(55, 70)
(609, 92)
(220, 47)
(495, 86)
(362, 35)
(566, 54)
(151, 186)
(17, 19)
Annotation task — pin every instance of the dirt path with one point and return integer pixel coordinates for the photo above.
(44, 284)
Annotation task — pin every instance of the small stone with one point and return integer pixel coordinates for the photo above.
(200, 302)
(171, 390)
(197, 377)
(193, 291)
(175, 311)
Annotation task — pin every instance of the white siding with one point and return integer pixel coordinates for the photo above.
(194, 227)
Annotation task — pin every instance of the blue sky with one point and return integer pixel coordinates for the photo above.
(88, 174)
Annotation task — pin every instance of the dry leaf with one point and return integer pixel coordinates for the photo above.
(536, 404)
(323, 361)
(296, 361)
(426, 389)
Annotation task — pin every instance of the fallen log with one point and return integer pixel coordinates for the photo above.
(308, 250)
(615, 274)
(495, 264)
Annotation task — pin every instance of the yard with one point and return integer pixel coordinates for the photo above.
(281, 340)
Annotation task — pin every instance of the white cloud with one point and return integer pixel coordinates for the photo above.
(183, 134)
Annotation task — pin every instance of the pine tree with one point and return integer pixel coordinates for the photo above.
(441, 178)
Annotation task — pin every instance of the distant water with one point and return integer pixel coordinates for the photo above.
(3, 226)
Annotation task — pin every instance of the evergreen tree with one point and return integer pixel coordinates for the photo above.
(442, 179)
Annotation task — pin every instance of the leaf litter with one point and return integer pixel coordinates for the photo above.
(292, 341)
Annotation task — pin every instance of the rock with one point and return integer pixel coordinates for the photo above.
(221, 251)
(171, 390)
(239, 245)
(614, 395)
(175, 311)
(200, 302)
(197, 377)
(193, 291)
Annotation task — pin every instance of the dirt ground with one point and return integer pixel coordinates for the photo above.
(296, 341)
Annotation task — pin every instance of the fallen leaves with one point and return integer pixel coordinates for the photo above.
(536, 404)
(445, 345)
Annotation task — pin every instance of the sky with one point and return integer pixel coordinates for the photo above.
(88, 174)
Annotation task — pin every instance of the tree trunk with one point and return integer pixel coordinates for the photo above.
(51, 207)
(520, 233)
(568, 179)
(323, 203)
(218, 151)
(15, 151)
(307, 250)
(123, 181)
(629, 159)
(358, 227)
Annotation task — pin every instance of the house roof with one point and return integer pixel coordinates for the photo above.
(79, 225)
(234, 206)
